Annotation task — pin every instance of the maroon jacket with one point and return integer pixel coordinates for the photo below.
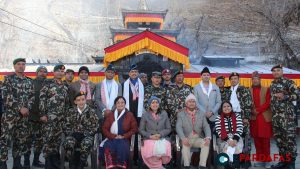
(129, 125)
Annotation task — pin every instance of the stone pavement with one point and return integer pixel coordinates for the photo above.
(274, 150)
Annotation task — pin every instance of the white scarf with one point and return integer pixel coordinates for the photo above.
(80, 112)
(234, 100)
(113, 94)
(114, 127)
(204, 90)
(141, 96)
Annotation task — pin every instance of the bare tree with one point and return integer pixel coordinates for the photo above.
(280, 18)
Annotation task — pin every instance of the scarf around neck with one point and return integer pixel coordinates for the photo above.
(224, 133)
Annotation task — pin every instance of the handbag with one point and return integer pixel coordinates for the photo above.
(160, 148)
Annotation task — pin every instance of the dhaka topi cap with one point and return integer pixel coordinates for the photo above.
(205, 70)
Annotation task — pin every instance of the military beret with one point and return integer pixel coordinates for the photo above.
(156, 73)
(205, 70)
(220, 77)
(233, 74)
(41, 67)
(255, 74)
(110, 67)
(166, 71)
(277, 66)
(82, 68)
(79, 94)
(133, 67)
(70, 71)
(59, 67)
(177, 73)
(19, 60)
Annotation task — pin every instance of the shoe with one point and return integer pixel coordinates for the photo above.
(187, 167)
(3, 165)
(280, 165)
(17, 163)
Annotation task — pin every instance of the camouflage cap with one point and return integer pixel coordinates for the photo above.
(156, 73)
(59, 67)
(19, 60)
(70, 71)
(41, 67)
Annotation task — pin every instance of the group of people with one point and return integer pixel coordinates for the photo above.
(39, 111)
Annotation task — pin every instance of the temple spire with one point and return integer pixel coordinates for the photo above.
(143, 5)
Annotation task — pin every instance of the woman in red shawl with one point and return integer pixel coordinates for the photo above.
(229, 127)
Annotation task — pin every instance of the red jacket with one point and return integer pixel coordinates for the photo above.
(129, 125)
(261, 127)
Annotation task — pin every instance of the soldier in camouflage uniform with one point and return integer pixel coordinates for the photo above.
(81, 125)
(155, 90)
(283, 93)
(18, 95)
(220, 82)
(54, 102)
(167, 76)
(69, 77)
(35, 123)
(241, 100)
(177, 96)
(144, 78)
